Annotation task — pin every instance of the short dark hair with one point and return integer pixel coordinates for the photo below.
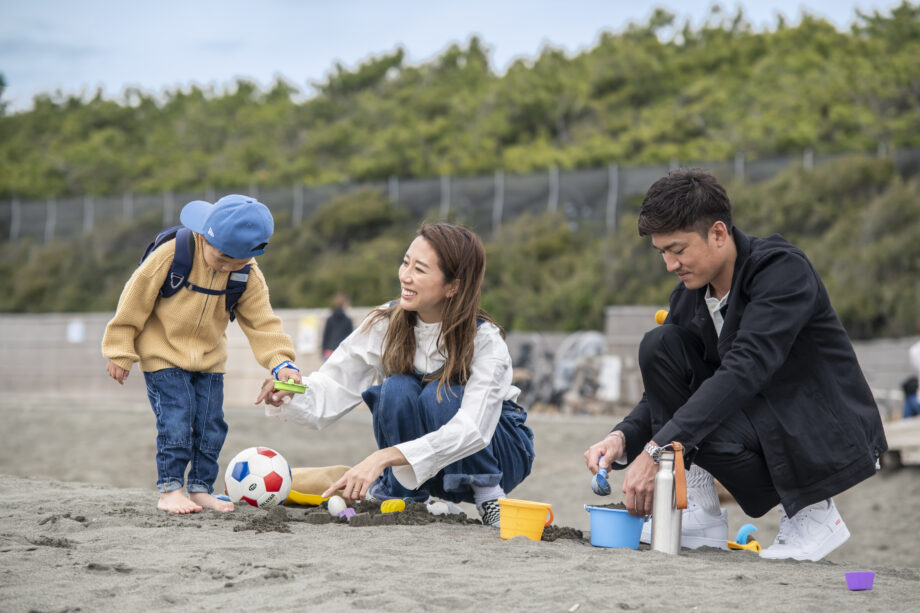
(684, 200)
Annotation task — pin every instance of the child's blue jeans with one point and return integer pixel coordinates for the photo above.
(404, 408)
(190, 426)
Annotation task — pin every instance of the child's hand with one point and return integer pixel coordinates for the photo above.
(117, 372)
(286, 374)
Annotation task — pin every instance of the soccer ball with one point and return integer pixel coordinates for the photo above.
(259, 476)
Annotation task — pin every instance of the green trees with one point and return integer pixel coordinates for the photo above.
(653, 93)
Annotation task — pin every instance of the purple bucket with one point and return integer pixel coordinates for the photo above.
(861, 580)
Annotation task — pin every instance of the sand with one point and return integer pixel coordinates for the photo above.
(79, 531)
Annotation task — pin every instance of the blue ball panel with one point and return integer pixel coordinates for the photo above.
(240, 470)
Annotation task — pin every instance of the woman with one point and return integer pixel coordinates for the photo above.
(444, 416)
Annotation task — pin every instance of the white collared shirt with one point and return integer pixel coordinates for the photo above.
(715, 308)
(335, 389)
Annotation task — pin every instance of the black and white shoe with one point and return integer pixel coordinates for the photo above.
(490, 511)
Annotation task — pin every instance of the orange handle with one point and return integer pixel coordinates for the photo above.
(550, 520)
(680, 479)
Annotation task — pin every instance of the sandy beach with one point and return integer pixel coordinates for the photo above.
(79, 531)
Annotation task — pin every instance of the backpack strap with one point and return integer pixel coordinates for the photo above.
(181, 266)
(236, 285)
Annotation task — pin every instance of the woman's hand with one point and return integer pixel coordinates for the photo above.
(355, 483)
(269, 395)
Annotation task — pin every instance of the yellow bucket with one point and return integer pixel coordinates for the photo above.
(523, 518)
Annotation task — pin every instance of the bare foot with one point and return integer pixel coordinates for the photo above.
(208, 501)
(176, 502)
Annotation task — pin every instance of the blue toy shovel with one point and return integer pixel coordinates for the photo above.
(599, 483)
(744, 540)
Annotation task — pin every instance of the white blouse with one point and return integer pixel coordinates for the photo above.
(335, 389)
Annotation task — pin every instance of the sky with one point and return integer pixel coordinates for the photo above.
(77, 46)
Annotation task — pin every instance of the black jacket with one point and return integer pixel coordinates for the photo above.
(785, 359)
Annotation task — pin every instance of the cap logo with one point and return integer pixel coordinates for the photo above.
(211, 232)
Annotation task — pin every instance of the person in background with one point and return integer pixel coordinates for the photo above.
(338, 325)
(752, 372)
(911, 397)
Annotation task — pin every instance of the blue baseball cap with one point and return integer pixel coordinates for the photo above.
(238, 226)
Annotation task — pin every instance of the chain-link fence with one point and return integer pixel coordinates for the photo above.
(594, 197)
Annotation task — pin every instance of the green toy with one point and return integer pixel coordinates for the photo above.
(290, 386)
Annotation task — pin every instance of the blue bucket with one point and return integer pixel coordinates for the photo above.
(614, 527)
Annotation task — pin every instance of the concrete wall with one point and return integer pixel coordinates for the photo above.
(883, 361)
(57, 355)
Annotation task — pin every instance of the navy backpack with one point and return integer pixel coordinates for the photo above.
(182, 265)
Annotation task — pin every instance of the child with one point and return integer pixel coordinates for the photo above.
(181, 341)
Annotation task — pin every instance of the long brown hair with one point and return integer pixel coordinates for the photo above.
(461, 258)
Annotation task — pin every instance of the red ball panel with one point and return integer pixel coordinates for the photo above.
(273, 482)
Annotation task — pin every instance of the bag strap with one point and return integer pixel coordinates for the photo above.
(680, 477)
(181, 266)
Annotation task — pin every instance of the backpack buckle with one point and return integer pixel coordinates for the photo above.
(176, 281)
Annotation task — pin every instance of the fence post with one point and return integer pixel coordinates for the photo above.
(739, 166)
(498, 202)
(393, 189)
(15, 219)
(127, 205)
(808, 159)
(445, 196)
(552, 202)
(253, 190)
(50, 219)
(169, 208)
(297, 212)
(89, 214)
(613, 194)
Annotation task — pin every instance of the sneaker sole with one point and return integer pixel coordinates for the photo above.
(695, 542)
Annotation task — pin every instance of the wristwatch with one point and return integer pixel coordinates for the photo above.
(653, 451)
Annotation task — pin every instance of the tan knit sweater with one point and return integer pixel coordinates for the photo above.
(188, 329)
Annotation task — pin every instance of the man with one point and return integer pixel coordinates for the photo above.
(752, 372)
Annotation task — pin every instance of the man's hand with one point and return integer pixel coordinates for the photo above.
(639, 485)
(117, 372)
(611, 448)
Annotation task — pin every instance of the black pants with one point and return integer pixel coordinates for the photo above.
(672, 365)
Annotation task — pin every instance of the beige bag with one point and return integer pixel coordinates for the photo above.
(310, 482)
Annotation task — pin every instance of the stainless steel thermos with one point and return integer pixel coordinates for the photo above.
(666, 515)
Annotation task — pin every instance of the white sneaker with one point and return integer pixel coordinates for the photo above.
(698, 527)
(811, 534)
